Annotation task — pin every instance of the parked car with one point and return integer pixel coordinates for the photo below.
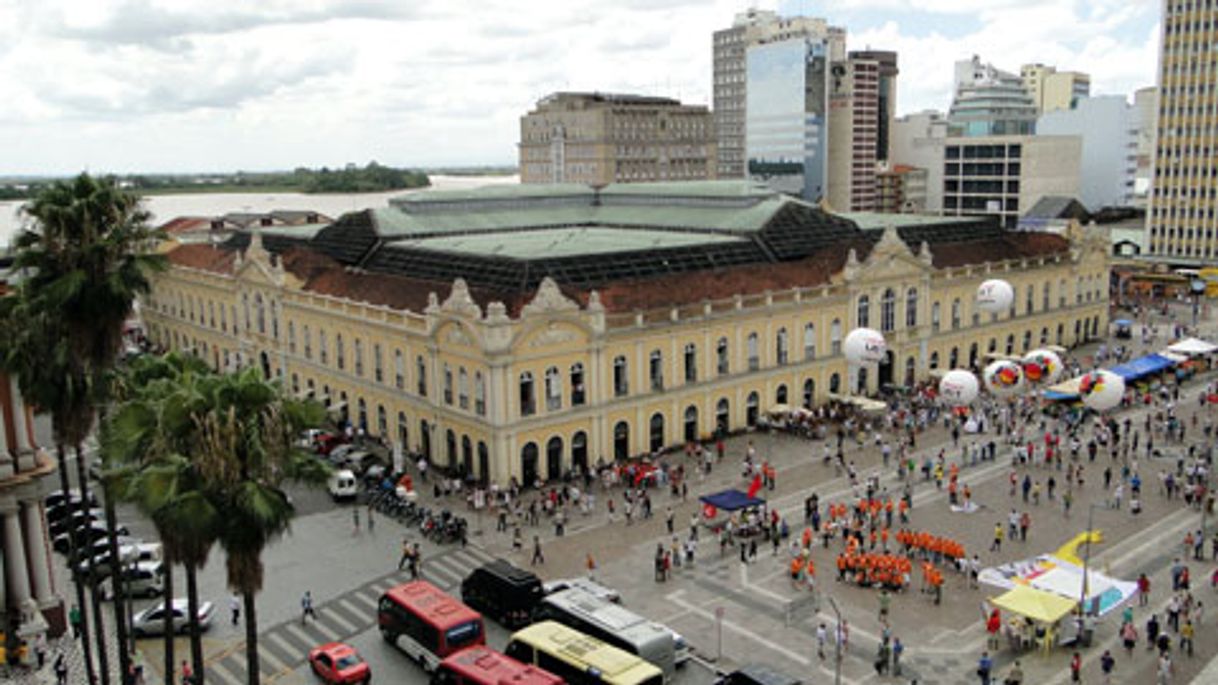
(151, 621)
(339, 664)
(328, 442)
(361, 461)
(129, 552)
(58, 498)
(503, 592)
(587, 585)
(77, 519)
(85, 536)
(144, 579)
(342, 485)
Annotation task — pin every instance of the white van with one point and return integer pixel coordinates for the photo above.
(342, 485)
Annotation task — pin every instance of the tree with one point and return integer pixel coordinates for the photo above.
(146, 450)
(86, 254)
(248, 451)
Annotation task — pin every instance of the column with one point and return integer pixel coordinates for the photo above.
(14, 555)
(39, 564)
(19, 423)
(3, 583)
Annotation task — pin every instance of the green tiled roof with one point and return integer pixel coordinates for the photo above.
(555, 243)
(869, 220)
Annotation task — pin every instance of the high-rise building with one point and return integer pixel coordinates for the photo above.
(855, 116)
(730, 67)
(602, 138)
(1004, 176)
(886, 96)
(990, 102)
(1053, 90)
(1145, 101)
(1108, 127)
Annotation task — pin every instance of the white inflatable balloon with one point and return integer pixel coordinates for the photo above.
(995, 296)
(1101, 390)
(958, 387)
(865, 346)
(1041, 367)
(1003, 377)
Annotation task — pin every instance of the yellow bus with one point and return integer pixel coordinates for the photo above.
(579, 659)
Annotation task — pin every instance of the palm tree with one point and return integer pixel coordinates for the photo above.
(86, 255)
(248, 451)
(146, 448)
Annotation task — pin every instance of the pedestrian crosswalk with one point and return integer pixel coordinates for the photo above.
(285, 647)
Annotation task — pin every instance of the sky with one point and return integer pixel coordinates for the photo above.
(122, 86)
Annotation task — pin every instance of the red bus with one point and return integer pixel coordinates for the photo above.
(482, 665)
(427, 624)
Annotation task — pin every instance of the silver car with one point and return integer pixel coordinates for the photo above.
(151, 621)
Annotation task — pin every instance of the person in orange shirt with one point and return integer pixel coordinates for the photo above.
(884, 539)
(903, 508)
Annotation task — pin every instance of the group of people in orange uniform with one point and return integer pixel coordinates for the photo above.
(891, 571)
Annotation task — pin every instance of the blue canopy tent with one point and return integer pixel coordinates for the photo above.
(731, 500)
(1142, 367)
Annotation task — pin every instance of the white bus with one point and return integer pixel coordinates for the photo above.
(613, 624)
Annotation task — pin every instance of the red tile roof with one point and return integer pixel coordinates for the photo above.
(203, 256)
(182, 224)
(1012, 245)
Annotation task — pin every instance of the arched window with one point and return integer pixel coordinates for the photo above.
(577, 385)
(359, 357)
(399, 370)
(835, 337)
(425, 439)
(953, 359)
(224, 319)
(864, 311)
(723, 415)
(295, 384)
(245, 304)
(751, 347)
(363, 414)
(835, 383)
(467, 456)
(935, 317)
(809, 393)
(382, 421)
(479, 394)
(655, 369)
(260, 312)
(553, 389)
(1061, 333)
(690, 360)
(323, 353)
(462, 388)
(956, 314)
(1045, 295)
(1078, 291)
(621, 380)
(721, 357)
(1030, 300)
(579, 451)
(861, 387)
(993, 346)
(450, 442)
(306, 338)
(1011, 344)
(780, 394)
(274, 319)
(809, 342)
(554, 458)
(1027, 341)
(911, 307)
(378, 364)
(1044, 336)
(340, 355)
(934, 360)
(657, 432)
(752, 406)
(403, 431)
(291, 337)
(528, 464)
(888, 310)
(1061, 293)
(527, 400)
(621, 440)
(691, 423)
(780, 345)
(972, 356)
(911, 366)
(448, 384)
(420, 369)
(211, 313)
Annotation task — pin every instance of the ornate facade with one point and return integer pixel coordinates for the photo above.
(516, 332)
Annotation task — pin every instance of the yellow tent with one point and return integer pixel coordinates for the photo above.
(1037, 605)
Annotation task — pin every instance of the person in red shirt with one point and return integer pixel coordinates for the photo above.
(1143, 590)
(1076, 668)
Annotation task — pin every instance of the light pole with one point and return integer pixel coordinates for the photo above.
(837, 644)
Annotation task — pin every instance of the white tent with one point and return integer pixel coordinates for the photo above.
(1193, 347)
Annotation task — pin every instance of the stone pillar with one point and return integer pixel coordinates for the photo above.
(3, 582)
(19, 420)
(14, 556)
(36, 543)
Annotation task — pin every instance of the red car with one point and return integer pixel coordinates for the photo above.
(340, 664)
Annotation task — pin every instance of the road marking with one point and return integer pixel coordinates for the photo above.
(447, 570)
(744, 581)
(352, 614)
(274, 640)
(221, 671)
(332, 616)
(382, 586)
(299, 633)
(676, 598)
(361, 598)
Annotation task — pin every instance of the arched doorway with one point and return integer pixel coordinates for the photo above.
(911, 367)
(579, 451)
(266, 364)
(751, 407)
(363, 414)
(528, 465)
(780, 395)
(425, 440)
(972, 356)
(691, 423)
(861, 387)
(344, 408)
(809, 393)
(450, 439)
(884, 375)
(484, 463)
(403, 432)
(723, 416)
(657, 432)
(554, 458)
(621, 440)
(467, 456)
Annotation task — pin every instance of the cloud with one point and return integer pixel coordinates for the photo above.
(129, 85)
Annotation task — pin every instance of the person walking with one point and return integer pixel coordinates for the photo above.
(75, 619)
(898, 648)
(1076, 668)
(188, 674)
(40, 649)
(1186, 637)
(1129, 638)
(885, 604)
(985, 666)
(355, 519)
(1107, 664)
(234, 608)
(405, 558)
(538, 557)
(61, 670)
(416, 561)
(996, 546)
(306, 607)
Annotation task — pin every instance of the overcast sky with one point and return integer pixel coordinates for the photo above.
(183, 85)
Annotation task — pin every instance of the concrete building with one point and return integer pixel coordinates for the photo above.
(853, 129)
(901, 189)
(989, 102)
(518, 332)
(195, 229)
(602, 138)
(1108, 127)
(1052, 90)
(918, 141)
(730, 73)
(1182, 220)
(1146, 103)
(29, 600)
(1004, 176)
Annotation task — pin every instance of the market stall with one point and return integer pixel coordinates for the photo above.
(1040, 615)
(746, 513)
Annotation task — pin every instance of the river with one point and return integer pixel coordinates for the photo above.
(166, 207)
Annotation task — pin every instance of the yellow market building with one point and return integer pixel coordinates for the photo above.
(515, 331)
